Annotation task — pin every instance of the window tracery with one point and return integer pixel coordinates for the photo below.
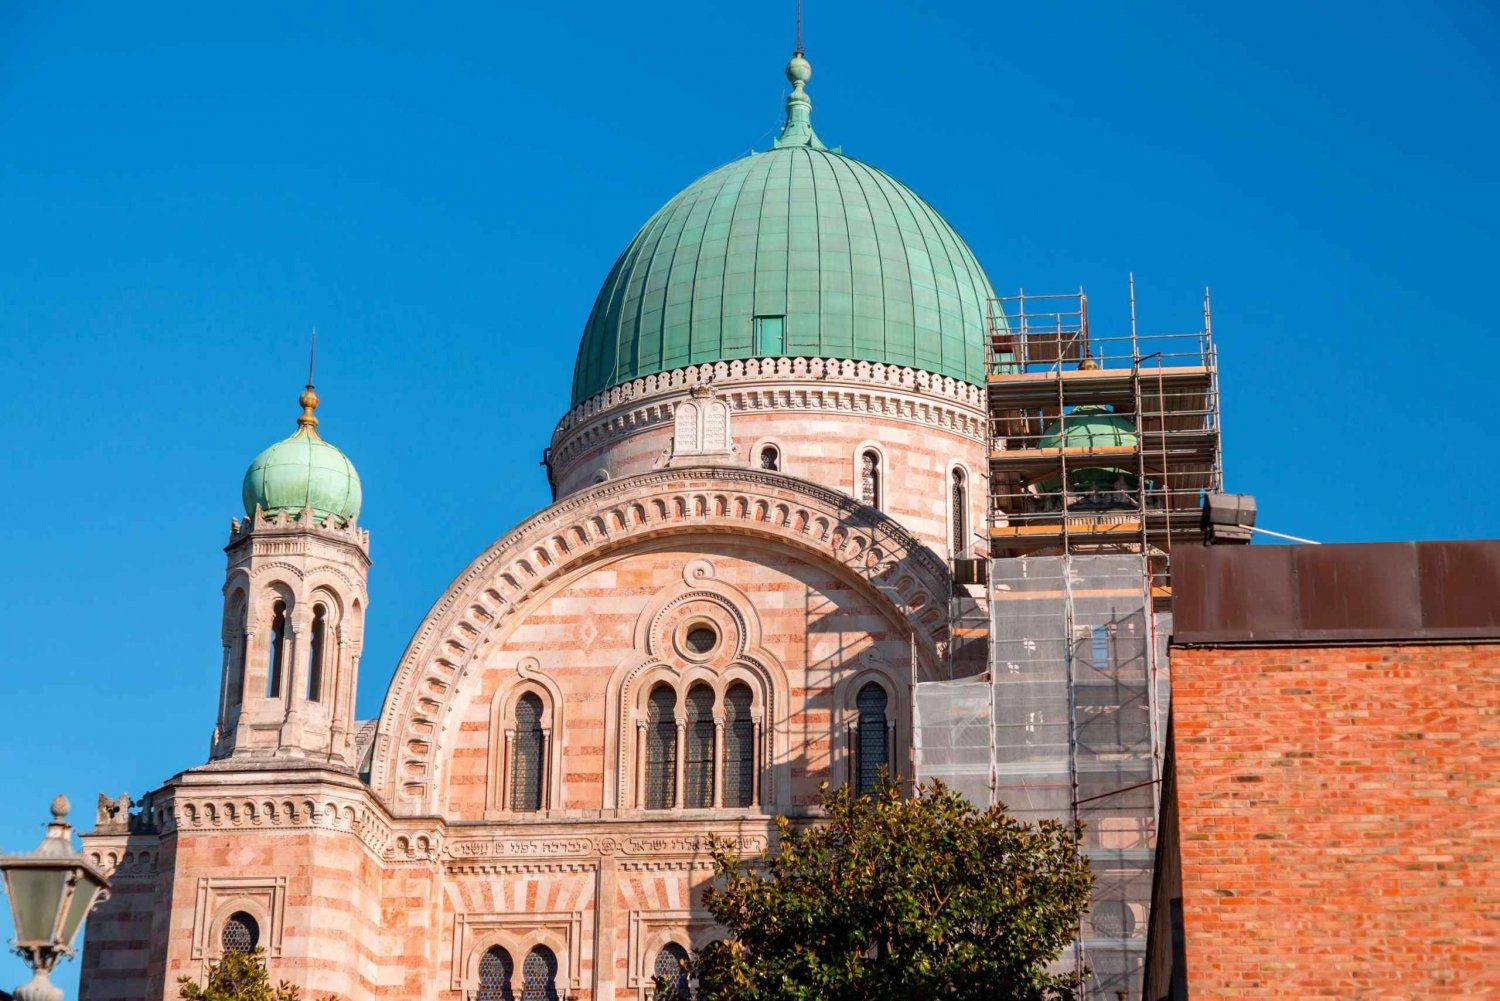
(528, 757)
(241, 933)
(869, 477)
(496, 969)
(871, 738)
(539, 975)
(661, 749)
(670, 973)
(699, 772)
(959, 514)
(739, 747)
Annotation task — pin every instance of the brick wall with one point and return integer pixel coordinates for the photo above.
(1339, 812)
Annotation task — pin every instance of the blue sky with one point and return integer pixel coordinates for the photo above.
(186, 190)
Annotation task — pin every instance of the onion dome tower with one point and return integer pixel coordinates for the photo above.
(294, 601)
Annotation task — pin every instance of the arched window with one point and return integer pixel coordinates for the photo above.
(495, 970)
(739, 747)
(661, 749)
(871, 742)
(869, 477)
(770, 458)
(670, 973)
(539, 975)
(528, 758)
(959, 518)
(241, 657)
(698, 778)
(277, 659)
(316, 650)
(241, 933)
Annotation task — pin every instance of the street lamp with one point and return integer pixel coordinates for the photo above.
(51, 891)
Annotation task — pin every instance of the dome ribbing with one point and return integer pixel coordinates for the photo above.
(799, 251)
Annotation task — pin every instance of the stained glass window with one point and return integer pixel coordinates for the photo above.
(661, 749)
(739, 747)
(495, 970)
(871, 740)
(539, 975)
(699, 772)
(527, 759)
(670, 973)
(241, 933)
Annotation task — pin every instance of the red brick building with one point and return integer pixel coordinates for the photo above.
(1331, 807)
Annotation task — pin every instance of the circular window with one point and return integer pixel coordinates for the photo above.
(701, 640)
(241, 933)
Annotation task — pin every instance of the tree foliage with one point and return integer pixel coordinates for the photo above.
(239, 976)
(898, 897)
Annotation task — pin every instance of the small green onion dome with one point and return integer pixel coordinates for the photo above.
(303, 471)
(1093, 426)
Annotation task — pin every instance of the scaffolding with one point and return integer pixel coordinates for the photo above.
(1101, 448)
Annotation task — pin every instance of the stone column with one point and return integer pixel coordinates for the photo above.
(681, 761)
(718, 763)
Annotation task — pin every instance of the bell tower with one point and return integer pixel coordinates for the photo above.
(294, 605)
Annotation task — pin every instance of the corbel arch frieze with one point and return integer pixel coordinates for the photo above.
(901, 576)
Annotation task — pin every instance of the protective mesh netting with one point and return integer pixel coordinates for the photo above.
(1067, 725)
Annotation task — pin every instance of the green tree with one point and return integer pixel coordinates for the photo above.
(239, 976)
(896, 897)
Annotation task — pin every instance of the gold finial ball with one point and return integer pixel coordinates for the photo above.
(1087, 365)
(60, 807)
(799, 70)
(309, 399)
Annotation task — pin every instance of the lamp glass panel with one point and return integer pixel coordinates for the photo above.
(84, 895)
(35, 895)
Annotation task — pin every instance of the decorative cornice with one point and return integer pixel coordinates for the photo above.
(902, 574)
(790, 384)
(284, 525)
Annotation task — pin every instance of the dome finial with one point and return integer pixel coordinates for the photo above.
(798, 130)
(309, 398)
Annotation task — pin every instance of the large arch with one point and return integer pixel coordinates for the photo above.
(905, 578)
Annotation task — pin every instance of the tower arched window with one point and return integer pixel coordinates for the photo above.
(959, 515)
(661, 749)
(495, 971)
(317, 649)
(241, 933)
(698, 775)
(770, 458)
(670, 973)
(539, 975)
(276, 661)
(871, 738)
(528, 756)
(739, 747)
(869, 474)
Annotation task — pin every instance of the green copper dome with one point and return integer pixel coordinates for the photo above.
(798, 251)
(303, 471)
